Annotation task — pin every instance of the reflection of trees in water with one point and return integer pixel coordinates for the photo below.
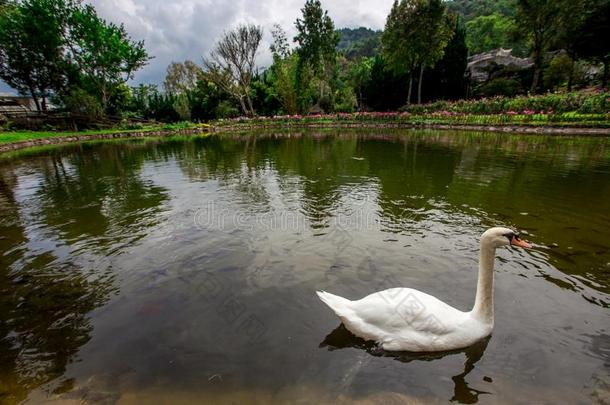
(341, 338)
(421, 174)
(410, 174)
(321, 167)
(98, 196)
(49, 282)
(43, 306)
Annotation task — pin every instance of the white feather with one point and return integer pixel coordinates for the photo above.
(404, 319)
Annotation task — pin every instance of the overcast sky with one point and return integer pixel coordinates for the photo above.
(175, 30)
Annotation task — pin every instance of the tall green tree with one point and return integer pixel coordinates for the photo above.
(104, 53)
(32, 47)
(359, 74)
(181, 78)
(591, 41)
(447, 77)
(397, 40)
(317, 42)
(540, 20)
(283, 72)
(489, 32)
(415, 36)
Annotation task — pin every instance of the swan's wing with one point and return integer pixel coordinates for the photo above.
(400, 311)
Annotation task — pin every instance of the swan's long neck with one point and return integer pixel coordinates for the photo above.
(484, 303)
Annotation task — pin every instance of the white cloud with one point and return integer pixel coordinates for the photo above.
(187, 29)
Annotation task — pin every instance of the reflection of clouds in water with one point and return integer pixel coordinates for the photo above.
(309, 216)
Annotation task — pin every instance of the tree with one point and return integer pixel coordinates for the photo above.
(181, 77)
(317, 42)
(472, 9)
(489, 32)
(539, 18)
(436, 31)
(591, 41)
(447, 76)
(283, 71)
(231, 64)
(416, 34)
(396, 41)
(104, 53)
(32, 47)
(280, 49)
(359, 74)
(385, 90)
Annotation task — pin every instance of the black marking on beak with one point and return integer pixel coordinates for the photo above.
(511, 236)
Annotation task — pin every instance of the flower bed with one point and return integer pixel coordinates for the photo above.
(527, 117)
(556, 110)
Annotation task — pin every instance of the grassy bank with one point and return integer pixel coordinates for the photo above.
(9, 137)
(570, 113)
(15, 141)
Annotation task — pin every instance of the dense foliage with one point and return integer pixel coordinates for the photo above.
(84, 63)
(62, 48)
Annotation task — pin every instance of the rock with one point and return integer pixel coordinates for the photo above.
(481, 65)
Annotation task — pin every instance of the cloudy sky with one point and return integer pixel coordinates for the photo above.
(175, 30)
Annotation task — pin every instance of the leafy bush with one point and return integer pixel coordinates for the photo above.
(79, 102)
(182, 107)
(595, 104)
(225, 109)
(500, 87)
(550, 103)
(345, 100)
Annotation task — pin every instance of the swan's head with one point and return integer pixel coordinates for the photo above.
(499, 236)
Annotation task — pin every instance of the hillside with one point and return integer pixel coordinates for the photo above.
(471, 9)
(358, 42)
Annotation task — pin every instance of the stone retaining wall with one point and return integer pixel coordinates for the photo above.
(517, 129)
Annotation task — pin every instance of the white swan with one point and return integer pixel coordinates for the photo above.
(404, 319)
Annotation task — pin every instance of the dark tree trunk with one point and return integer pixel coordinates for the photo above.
(605, 77)
(419, 83)
(410, 89)
(571, 75)
(250, 106)
(243, 105)
(534, 88)
(538, 61)
(36, 101)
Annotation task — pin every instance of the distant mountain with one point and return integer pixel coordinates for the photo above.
(358, 42)
(471, 9)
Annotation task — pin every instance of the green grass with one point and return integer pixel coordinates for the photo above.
(21, 136)
(45, 149)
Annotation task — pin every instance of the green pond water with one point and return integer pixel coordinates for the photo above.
(184, 270)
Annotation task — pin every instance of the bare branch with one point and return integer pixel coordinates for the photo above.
(231, 64)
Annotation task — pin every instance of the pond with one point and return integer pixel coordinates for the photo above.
(185, 270)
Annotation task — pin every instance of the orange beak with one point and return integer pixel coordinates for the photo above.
(515, 241)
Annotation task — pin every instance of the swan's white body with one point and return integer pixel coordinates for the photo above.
(404, 319)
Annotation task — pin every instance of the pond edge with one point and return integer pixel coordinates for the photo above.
(512, 129)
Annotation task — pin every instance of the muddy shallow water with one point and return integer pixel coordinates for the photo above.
(183, 271)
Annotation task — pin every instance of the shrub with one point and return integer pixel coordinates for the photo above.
(79, 102)
(345, 100)
(500, 87)
(226, 109)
